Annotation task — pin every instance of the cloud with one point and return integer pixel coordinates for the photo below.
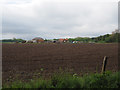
(16, 1)
(57, 19)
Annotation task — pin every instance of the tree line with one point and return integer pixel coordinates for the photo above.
(107, 38)
(12, 40)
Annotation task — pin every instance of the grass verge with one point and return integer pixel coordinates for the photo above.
(66, 80)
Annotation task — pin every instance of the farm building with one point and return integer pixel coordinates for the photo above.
(38, 40)
(63, 40)
(30, 41)
(116, 31)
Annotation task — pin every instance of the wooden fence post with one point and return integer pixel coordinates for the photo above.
(104, 64)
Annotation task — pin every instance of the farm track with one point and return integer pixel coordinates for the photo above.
(24, 61)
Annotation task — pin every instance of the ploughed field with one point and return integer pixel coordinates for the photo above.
(27, 61)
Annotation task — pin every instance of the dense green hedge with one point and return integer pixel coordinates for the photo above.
(108, 38)
(64, 80)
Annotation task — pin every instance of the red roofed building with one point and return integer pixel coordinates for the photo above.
(63, 40)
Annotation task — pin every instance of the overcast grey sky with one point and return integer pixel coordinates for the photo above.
(49, 19)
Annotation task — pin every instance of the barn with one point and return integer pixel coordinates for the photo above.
(38, 40)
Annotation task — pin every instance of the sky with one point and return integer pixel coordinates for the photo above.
(50, 19)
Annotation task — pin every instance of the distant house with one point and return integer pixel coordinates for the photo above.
(23, 41)
(63, 40)
(116, 31)
(38, 40)
(75, 41)
(29, 41)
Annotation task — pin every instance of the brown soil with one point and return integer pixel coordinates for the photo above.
(25, 61)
